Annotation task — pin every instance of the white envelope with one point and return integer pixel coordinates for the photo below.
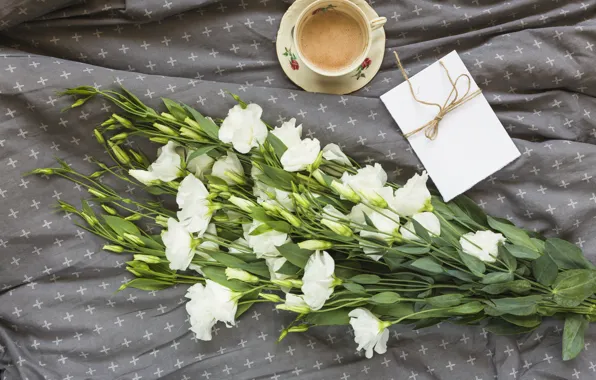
(471, 144)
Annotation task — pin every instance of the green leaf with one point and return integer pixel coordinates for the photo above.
(354, 288)
(260, 230)
(522, 252)
(501, 327)
(573, 286)
(385, 298)
(151, 243)
(514, 234)
(421, 231)
(257, 267)
(218, 275)
(573, 335)
(329, 318)
(279, 225)
(515, 305)
(278, 146)
(147, 284)
(207, 125)
(121, 226)
(470, 208)
(507, 258)
(295, 254)
(413, 249)
(227, 259)
(567, 255)
(524, 321)
(475, 265)
(460, 275)
(156, 190)
(446, 300)
(517, 286)
(440, 207)
(396, 310)
(367, 279)
(238, 99)
(200, 151)
(463, 218)
(539, 244)
(497, 277)
(467, 308)
(393, 260)
(288, 269)
(428, 264)
(428, 322)
(368, 221)
(254, 295)
(282, 179)
(260, 215)
(175, 109)
(545, 270)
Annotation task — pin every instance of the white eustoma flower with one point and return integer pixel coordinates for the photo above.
(274, 264)
(299, 156)
(331, 213)
(288, 133)
(243, 128)
(195, 212)
(427, 220)
(295, 303)
(263, 245)
(387, 227)
(241, 243)
(166, 168)
(318, 280)
(413, 198)
(332, 152)
(178, 242)
(369, 183)
(369, 332)
(482, 244)
(200, 165)
(229, 163)
(209, 304)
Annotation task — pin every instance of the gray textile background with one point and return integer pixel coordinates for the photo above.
(59, 316)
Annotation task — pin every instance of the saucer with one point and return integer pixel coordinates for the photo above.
(310, 81)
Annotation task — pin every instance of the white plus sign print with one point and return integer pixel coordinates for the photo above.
(60, 315)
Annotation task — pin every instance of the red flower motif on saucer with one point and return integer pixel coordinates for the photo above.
(363, 66)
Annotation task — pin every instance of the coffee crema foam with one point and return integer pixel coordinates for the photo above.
(331, 40)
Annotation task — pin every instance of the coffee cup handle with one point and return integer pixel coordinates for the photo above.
(378, 22)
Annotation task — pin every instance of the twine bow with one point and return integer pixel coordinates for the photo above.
(431, 129)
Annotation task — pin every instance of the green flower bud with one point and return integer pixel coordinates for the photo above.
(79, 102)
(125, 123)
(288, 283)
(165, 129)
(345, 191)
(96, 174)
(315, 245)
(120, 154)
(235, 177)
(45, 171)
(301, 200)
(133, 217)
(193, 124)
(119, 136)
(299, 328)
(225, 194)
(147, 259)
(133, 239)
(338, 228)
(376, 200)
(141, 159)
(97, 193)
(315, 165)
(159, 140)
(186, 132)
(99, 136)
(218, 187)
(108, 122)
(161, 220)
(109, 210)
(319, 176)
(92, 221)
(168, 116)
(282, 335)
(133, 271)
(243, 204)
(271, 297)
(113, 248)
(242, 275)
(291, 218)
(295, 309)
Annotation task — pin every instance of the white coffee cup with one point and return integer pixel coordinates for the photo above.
(352, 10)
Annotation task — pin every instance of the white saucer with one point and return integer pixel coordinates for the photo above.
(310, 81)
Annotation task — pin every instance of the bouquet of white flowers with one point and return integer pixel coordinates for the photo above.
(263, 215)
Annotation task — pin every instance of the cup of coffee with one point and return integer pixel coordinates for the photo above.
(333, 37)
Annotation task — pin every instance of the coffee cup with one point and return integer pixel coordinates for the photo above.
(333, 37)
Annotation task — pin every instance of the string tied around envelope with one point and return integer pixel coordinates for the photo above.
(431, 129)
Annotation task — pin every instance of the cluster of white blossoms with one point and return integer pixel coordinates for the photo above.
(380, 214)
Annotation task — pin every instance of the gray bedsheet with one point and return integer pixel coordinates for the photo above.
(60, 317)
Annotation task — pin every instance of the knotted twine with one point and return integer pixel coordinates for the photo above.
(431, 129)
